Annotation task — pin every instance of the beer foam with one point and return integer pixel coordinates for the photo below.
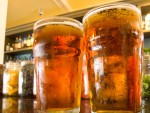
(105, 7)
(70, 23)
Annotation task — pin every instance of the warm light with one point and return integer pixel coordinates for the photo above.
(147, 21)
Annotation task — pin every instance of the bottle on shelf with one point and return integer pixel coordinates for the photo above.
(10, 59)
(7, 59)
(31, 57)
(25, 58)
(14, 59)
(19, 42)
(29, 41)
(16, 43)
(8, 47)
(11, 48)
(22, 43)
(18, 60)
(25, 42)
(32, 39)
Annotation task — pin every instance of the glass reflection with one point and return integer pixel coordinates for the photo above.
(29, 105)
(10, 105)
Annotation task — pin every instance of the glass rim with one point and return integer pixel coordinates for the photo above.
(110, 6)
(58, 20)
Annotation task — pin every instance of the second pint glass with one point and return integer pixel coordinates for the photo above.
(114, 39)
(58, 58)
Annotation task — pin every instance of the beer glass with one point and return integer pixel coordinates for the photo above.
(58, 64)
(113, 39)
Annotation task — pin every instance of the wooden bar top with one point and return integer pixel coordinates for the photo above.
(28, 105)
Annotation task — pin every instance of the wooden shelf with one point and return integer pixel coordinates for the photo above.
(18, 50)
(147, 31)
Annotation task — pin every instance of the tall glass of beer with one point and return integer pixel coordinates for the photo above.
(58, 64)
(114, 40)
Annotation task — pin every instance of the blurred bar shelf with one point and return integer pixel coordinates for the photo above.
(19, 50)
(147, 31)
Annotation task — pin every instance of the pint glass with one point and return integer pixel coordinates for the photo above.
(114, 38)
(58, 64)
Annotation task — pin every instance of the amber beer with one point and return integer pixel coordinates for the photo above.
(114, 38)
(58, 58)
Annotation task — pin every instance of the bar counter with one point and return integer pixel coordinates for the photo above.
(28, 105)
